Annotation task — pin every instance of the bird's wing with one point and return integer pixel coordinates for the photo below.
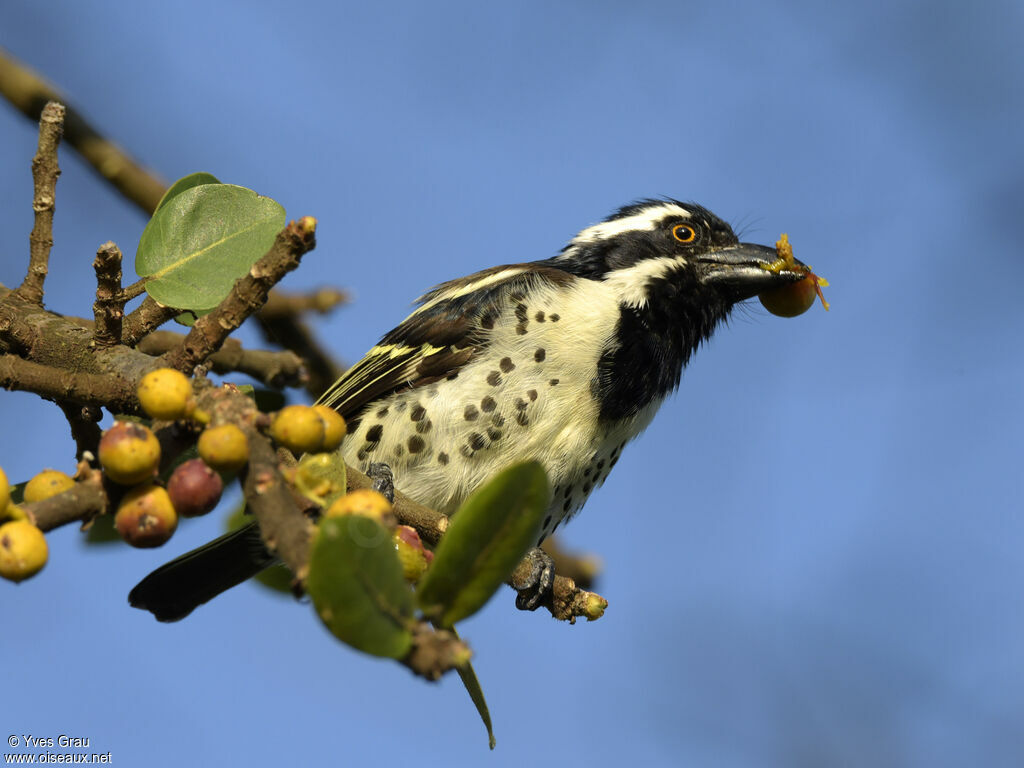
(452, 324)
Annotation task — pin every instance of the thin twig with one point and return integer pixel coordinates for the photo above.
(108, 309)
(27, 91)
(247, 295)
(145, 319)
(135, 289)
(44, 176)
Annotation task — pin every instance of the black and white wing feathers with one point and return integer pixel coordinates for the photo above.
(451, 326)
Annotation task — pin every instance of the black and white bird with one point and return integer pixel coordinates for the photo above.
(564, 361)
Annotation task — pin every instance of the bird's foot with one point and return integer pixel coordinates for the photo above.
(538, 582)
(383, 480)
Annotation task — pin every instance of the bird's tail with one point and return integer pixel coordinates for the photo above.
(175, 589)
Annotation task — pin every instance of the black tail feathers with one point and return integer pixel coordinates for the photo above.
(174, 590)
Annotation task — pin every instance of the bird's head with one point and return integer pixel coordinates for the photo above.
(667, 250)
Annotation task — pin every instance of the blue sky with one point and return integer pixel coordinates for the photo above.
(813, 554)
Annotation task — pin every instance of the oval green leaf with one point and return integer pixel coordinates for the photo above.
(356, 583)
(204, 239)
(488, 536)
(186, 182)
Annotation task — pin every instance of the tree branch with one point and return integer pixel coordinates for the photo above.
(44, 176)
(108, 309)
(145, 319)
(27, 91)
(112, 392)
(247, 295)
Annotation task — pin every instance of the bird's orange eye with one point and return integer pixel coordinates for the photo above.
(684, 233)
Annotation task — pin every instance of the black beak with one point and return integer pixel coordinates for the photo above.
(745, 270)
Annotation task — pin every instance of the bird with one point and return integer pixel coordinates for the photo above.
(564, 361)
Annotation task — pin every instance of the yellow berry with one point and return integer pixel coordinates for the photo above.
(145, 517)
(23, 550)
(365, 502)
(224, 448)
(5, 492)
(47, 483)
(164, 394)
(298, 428)
(129, 453)
(790, 300)
(334, 427)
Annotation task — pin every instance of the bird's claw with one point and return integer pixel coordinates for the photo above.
(538, 583)
(383, 480)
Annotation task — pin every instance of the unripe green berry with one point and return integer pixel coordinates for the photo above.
(129, 453)
(165, 394)
(335, 428)
(47, 483)
(224, 448)
(23, 550)
(146, 517)
(298, 428)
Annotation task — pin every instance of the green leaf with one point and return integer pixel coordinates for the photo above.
(472, 685)
(487, 537)
(204, 239)
(186, 182)
(356, 583)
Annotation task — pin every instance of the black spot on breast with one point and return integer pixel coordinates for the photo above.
(566, 505)
(399, 450)
(568, 491)
(586, 488)
(470, 413)
(493, 433)
(539, 317)
(466, 451)
(361, 455)
(586, 472)
(494, 378)
(547, 522)
(401, 406)
(600, 465)
(553, 382)
(374, 433)
(477, 441)
(452, 376)
(424, 426)
(416, 444)
(442, 458)
(532, 394)
(520, 404)
(381, 413)
(540, 354)
(488, 404)
(487, 321)
(417, 412)
(498, 420)
(522, 418)
(506, 364)
(521, 329)
(554, 318)
(521, 313)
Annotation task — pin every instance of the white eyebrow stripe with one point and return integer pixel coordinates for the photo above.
(644, 221)
(630, 283)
